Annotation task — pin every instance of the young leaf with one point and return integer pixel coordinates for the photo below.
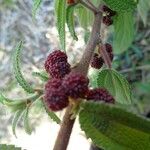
(26, 121)
(36, 5)
(52, 115)
(121, 5)
(116, 84)
(9, 147)
(124, 31)
(41, 75)
(17, 70)
(70, 21)
(113, 128)
(15, 120)
(60, 10)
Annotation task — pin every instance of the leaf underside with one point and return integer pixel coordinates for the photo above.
(17, 70)
(60, 11)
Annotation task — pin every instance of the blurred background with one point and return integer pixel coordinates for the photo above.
(40, 38)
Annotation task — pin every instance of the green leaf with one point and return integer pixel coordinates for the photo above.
(121, 5)
(143, 8)
(60, 10)
(113, 128)
(42, 75)
(116, 84)
(70, 21)
(17, 70)
(85, 16)
(15, 120)
(124, 31)
(52, 115)
(36, 5)
(26, 121)
(9, 147)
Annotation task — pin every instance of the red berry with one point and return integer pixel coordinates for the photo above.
(55, 99)
(100, 94)
(53, 83)
(96, 62)
(55, 57)
(59, 70)
(75, 85)
(107, 20)
(54, 96)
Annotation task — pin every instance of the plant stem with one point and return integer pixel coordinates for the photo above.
(93, 9)
(67, 124)
(105, 56)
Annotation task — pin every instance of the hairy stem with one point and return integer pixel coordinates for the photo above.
(67, 124)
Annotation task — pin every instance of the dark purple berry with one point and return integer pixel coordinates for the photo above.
(55, 99)
(107, 10)
(53, 83)
(55, 57)
(97, 62)
(108, 48)
(107, 20)
(54, 96)
(75, 85)
(59, 70)
(100, 94)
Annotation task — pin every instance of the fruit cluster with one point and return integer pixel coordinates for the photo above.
(65, 84)
(108, 14)
(97, 60)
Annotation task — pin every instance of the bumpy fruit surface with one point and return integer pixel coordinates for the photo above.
(55, 57)
(59, 70)
(56, 99)
(107, 20)
(54, 96)
(75, 85)
(97, 62)
(53, 83)
(100, 94)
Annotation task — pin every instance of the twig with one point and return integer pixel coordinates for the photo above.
(92, 5)
(67, 124)
(105, 56)
(93, 9)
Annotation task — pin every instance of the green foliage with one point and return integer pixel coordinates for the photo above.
(124, 31)
(41, 75)
(121, 5)
(113, 128)
(17, 70)
(52, 115)
(16, 119)
(143, 8)
(116, 84)
(85, 16)
(60, 11)
(26, 121)
(70, 21)
(36, 5)
(9, 147)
